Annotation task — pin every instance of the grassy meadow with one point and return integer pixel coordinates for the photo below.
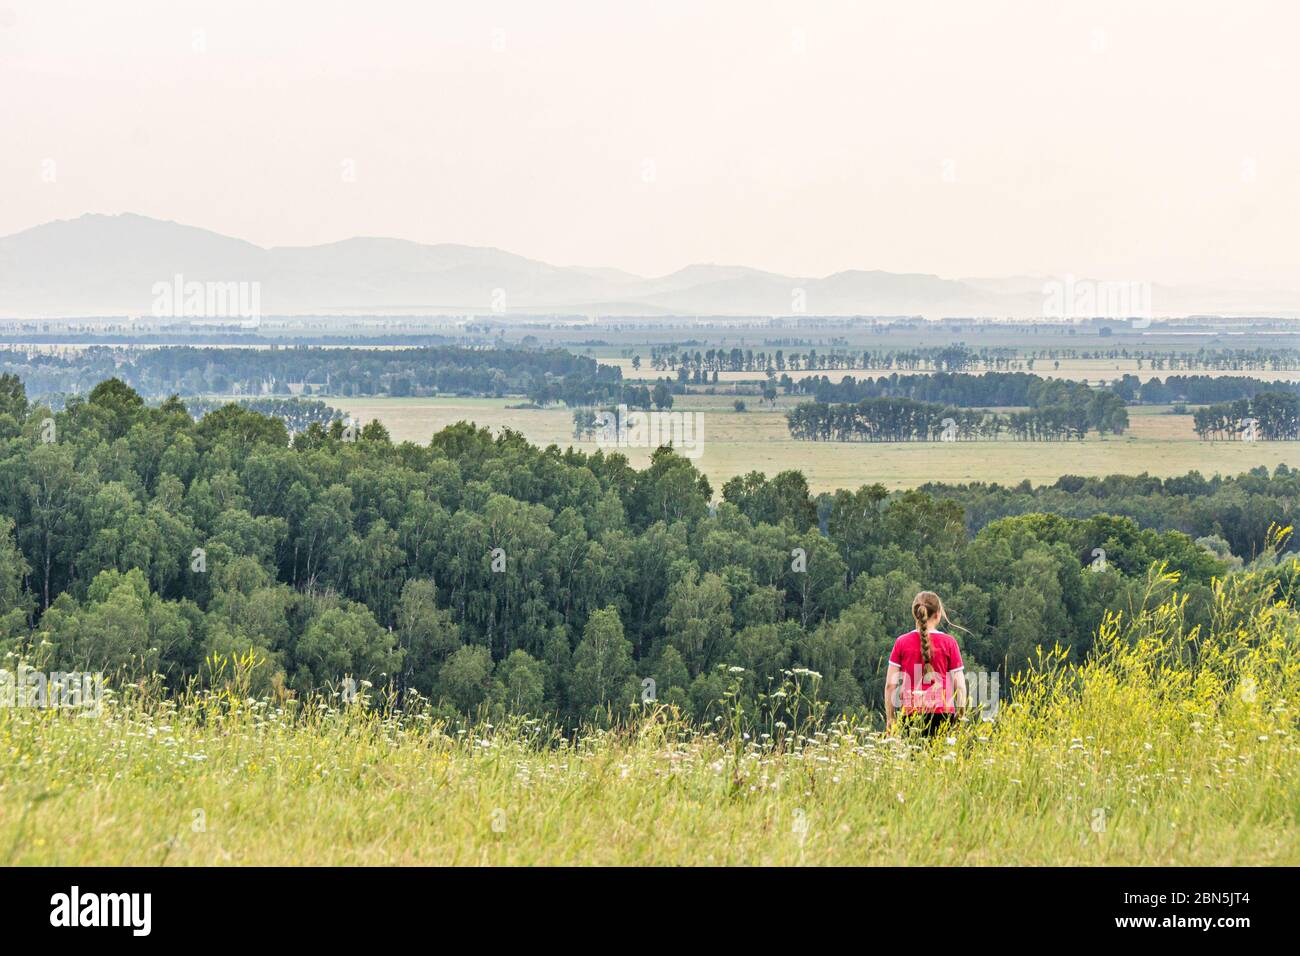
(738, 442)
(1169, 746)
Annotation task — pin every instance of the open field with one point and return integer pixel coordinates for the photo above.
(1135, 758)
(735, 443)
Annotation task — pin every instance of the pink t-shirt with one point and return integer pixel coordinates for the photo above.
(930, 694)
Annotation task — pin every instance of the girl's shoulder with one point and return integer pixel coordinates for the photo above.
(944, 636)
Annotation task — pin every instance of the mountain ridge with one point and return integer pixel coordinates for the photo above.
(97, 264)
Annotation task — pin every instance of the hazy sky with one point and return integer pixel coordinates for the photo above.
(1137, 140)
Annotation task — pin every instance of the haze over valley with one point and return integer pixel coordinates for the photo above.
(110, 264)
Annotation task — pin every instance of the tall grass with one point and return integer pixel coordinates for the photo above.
(1170, 745)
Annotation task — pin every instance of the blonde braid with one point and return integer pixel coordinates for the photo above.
(922, 615)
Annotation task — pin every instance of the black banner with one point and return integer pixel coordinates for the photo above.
(252, 906)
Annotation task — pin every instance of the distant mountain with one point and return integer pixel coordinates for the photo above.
(115, 265)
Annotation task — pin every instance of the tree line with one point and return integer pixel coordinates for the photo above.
(904, 420)
(692, 363)
(1196, 389)
(547, 375)
(1268, 416)
(1105, 410)
(1233, 516)
(298, 414)
(1223, 359)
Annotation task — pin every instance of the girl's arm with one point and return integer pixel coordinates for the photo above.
(958, 678)
(892, 676)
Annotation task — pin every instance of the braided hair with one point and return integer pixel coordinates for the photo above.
(926, 605)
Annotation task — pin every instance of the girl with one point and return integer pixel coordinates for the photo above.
(925, 671)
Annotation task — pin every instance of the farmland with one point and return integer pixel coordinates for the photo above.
(735, 443)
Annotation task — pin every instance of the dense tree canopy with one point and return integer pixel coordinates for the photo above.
(483, 571)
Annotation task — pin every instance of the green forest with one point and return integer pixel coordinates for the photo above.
(488, 574)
